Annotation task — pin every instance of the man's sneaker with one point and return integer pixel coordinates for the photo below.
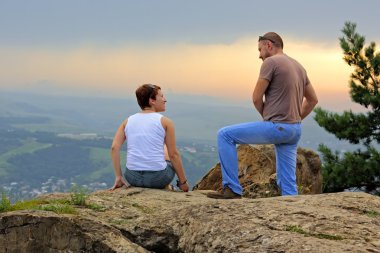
(226, 193)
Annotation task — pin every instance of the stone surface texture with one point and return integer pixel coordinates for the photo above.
(148, 220)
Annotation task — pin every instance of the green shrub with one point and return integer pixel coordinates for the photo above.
(5, 204)
(78, 195)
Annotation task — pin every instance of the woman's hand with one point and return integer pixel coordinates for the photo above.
(119, 182)
(184, 187)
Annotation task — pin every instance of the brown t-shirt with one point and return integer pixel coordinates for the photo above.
(285, 92)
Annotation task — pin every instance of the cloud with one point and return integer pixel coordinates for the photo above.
(223, 70)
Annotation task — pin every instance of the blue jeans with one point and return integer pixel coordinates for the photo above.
(285, 137)
(150, 179)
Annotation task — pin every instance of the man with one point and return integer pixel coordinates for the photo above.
(283, 96)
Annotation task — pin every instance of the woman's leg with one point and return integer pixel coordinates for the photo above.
(134, 178)
(159, 179)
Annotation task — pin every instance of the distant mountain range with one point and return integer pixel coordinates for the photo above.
(197, 118)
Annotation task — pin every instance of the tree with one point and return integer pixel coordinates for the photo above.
(359, 169)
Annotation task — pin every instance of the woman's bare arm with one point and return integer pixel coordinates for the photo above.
(174, 154)
(118, 141)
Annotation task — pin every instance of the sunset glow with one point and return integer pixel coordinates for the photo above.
(216, 70)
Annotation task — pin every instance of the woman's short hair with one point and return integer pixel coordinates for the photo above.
(144, 93)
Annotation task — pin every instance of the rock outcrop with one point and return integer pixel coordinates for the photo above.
(147, 220)
(257, 172)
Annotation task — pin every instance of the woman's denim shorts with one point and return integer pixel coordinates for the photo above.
(151, 179)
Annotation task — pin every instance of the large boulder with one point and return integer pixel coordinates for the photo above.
(257, 172)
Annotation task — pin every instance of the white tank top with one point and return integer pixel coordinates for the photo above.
(145, 142)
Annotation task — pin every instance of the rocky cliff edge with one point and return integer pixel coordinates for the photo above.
(147, 220)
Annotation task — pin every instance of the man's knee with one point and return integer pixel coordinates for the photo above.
(222, 133)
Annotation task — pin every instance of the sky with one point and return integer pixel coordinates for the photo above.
(197, 47)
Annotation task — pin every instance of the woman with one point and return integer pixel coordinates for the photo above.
(152, 156)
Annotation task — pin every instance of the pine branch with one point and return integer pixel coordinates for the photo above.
(360, 168)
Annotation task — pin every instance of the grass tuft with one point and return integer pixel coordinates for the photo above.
(329, 237)
(5, 204)
(78, 195)
(96, 207)
(299, 230)
(57, 206)
(60, 206)
(28, 204)
(371, 213)
(296, 229)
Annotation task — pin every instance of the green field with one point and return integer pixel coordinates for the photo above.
(102, 156)
(29, 145)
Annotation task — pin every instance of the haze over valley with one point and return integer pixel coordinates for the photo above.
(49, 143)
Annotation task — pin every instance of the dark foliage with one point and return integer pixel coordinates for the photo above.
(360, 169)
